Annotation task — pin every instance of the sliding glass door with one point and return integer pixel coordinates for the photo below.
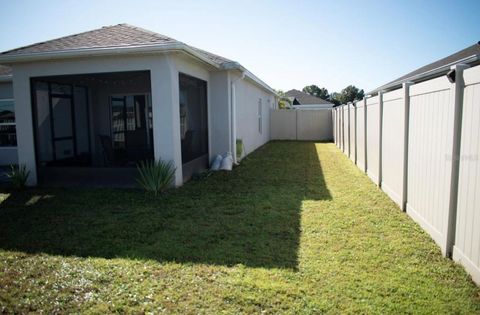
(132, 130)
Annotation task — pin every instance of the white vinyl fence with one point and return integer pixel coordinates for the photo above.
(421, 145)
(373, 139)
(351, 132)
(466, 248)
(301, 124)
(340, 129)
(430, 144)
(393, 145)
(346, 139)
(361, 136)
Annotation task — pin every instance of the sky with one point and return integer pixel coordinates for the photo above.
(288, 44)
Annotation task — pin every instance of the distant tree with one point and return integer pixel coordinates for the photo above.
(349, 94)
(335, 98)
(283, 101)
(317, 91)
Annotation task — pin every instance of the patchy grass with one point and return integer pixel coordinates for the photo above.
(295, 229)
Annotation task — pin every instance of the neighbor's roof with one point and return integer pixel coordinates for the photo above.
(114, 39)
(305, 98)
(460, 56)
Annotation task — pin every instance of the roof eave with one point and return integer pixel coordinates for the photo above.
(233, 65)
(133, 49)
(103, 51)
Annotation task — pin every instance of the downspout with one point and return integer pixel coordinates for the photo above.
(233, 118)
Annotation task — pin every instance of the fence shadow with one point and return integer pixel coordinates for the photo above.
(249, 216)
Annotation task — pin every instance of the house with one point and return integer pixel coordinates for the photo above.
(302, 100)
(89, 106)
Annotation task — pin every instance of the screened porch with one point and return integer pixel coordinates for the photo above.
(92, 128)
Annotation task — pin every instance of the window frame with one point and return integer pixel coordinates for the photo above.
(10, 124)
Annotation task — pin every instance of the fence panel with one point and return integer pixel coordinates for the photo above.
(334, 126)
(393, 139)
(467, 239)
(346, 140)
(373, 138)
(314, 124)
(338, 127)
(301, 124)
(342, 136)
(283, 124)
(429, 161)
(352, 132)
(361, 137)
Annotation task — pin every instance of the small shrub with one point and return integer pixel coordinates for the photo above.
(155, 176)
(18, 176)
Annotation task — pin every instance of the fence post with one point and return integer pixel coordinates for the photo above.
(343, 129)
(380, 131)
(355, 132)
(365, 133)
(333, 125)
(457, 134)
(296, 124)
(349, 151)
(338, 127)
(406, 126)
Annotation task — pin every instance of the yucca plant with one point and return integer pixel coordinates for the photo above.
(155, 176)
(18, 176)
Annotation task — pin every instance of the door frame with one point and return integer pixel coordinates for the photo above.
(51, 95)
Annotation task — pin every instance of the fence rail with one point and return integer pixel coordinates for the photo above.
(421, 145)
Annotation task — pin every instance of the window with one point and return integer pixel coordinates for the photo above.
(8, 134)
(260, 116)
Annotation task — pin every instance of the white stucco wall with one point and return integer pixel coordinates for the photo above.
(220, 96)
(247, 96)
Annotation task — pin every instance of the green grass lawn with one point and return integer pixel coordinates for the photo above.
(297, 228)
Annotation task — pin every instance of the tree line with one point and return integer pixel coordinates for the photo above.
(349, 94)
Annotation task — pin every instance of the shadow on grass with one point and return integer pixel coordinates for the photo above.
(250, 216)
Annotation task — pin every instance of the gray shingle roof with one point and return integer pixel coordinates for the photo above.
(121, 35)
(305, 98)
(462, 54)
(115, 38)
(4, 70)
